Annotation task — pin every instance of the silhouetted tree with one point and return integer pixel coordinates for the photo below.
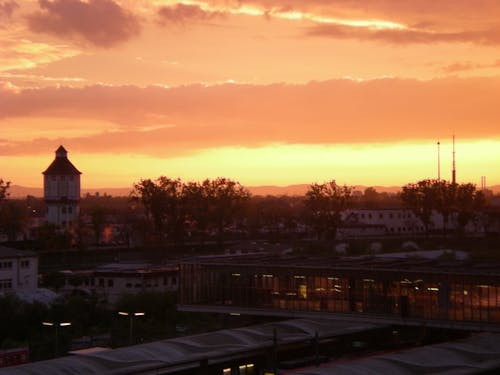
(98, 221)
(325, 203)
(175, 206)
(51, 238)
(4, 187)
(13, 218)
(152, 197)
(459, 200)
(225, 199)
(469, 203)
(421, 199)
(197, 205)
(444, 199)
(370, 197)
(163, 200)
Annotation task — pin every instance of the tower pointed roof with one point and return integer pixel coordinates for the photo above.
(61, 164)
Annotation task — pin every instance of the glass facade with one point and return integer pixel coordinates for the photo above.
(413, 294)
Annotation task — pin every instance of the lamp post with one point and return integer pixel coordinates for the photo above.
(56, 326)
(131, 324)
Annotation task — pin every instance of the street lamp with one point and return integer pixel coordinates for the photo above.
(131, 324)
(56, 326)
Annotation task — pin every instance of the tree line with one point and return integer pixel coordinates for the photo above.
(463, 202)
(171, 210)
(175, 206)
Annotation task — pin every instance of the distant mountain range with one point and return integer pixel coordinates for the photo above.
(17, 191)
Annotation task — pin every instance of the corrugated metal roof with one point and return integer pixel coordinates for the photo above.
(190, 350)
(474, 355)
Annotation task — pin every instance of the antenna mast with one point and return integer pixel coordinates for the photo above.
(439, 161)
(454, 170)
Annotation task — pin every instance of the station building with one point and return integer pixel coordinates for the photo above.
(424, 291)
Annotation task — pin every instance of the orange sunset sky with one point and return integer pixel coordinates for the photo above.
(261, 91)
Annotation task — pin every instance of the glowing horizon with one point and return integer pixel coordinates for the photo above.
(263, 92)
(314, 163)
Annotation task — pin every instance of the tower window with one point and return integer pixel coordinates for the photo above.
(70, 210)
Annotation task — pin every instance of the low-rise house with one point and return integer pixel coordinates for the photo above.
(18, 271)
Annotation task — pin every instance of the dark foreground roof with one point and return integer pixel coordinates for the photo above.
(187, 352)
(476, 355)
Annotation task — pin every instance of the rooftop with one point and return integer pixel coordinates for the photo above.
(187, 352)
(61, 164)
(7, 252)
(449, 263)
(476, 355)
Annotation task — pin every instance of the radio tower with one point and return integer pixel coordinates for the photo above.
(454, 171)
(439, 161)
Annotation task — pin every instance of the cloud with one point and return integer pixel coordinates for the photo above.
(21, 53)
(180, 13)
(173, 121)
(7, 8)
(410, 12)
(103, 23)
(405, 36)
(467, 66)
(395, 22)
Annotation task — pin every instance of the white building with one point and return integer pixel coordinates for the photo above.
(18, 271)
(112, 281)
(61, 184)
(397, 222)
(380, 222)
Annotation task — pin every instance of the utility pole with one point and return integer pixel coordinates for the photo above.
(56, 326)
(131, 316)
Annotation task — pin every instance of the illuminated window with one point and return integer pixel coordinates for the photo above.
(247, 369)
(303, 291)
